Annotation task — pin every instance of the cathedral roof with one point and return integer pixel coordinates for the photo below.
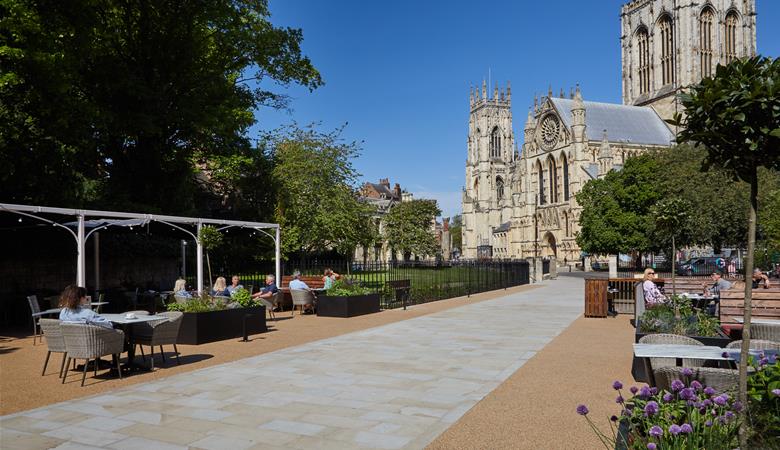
(629, 124)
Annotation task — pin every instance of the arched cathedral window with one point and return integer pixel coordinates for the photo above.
(499, 188)
(540, 172)
(705, 41)
(565, 166)
(730, 37)
(553, 178)
(667, 49)
(643, 43)
(495, 143)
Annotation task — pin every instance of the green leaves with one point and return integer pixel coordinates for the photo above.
(409, 227)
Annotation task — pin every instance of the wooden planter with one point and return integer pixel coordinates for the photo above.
(202, 327)
(347, 306)
(638, 367)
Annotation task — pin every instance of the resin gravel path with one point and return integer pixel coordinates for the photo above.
(394, 386)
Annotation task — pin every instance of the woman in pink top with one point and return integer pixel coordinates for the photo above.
(653, 296)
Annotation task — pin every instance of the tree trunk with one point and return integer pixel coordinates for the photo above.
(743, 360)
(208, 264)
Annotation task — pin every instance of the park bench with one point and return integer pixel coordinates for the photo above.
(401, 290)
(765, 305)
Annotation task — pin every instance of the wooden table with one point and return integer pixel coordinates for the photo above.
(763, 321)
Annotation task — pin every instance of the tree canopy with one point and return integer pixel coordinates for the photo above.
(409, 228)
(115, 102)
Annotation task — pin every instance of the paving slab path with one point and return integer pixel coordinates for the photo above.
(394, 386)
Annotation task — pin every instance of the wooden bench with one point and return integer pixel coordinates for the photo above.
(401, 289)
(765, 304)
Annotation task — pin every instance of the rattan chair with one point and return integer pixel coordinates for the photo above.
(757, 344)
(662, 338)
(54, 341)
(766, 331)
(159, 332)
(272, 303)
(90, 342)
(302, 298)
(722, 380)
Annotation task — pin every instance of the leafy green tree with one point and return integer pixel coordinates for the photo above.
(736, 116)
(113, 102)
(317, 204)
(456, 231)
(672, 219)
(210, 238)
(616, 209)
(409, 227)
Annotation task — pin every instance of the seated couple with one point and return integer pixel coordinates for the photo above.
(654, 296)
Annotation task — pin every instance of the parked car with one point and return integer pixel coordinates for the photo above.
(702, 265)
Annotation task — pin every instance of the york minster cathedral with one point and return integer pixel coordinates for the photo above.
(518, 204)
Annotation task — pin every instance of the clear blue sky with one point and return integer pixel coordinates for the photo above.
(399, 73)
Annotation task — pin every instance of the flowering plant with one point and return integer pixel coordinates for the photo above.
(763, 390)
(691, 416)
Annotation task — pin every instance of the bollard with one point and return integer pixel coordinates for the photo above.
(246, 335)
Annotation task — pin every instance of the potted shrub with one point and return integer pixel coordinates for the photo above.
(677, 317)
(347, 299)
(208, 320)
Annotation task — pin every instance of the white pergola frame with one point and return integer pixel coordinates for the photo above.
(198, 222)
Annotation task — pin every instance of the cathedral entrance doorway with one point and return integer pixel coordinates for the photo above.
(550, 246)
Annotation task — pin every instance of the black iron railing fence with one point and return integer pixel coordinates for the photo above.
(427, 280)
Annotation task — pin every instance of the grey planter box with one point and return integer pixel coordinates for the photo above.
(347, 306)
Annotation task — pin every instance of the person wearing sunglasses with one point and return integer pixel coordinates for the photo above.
(653, 295)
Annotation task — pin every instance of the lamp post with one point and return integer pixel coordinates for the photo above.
(184, 258)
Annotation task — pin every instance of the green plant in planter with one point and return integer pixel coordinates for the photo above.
(347, 288)
(678, 317)
(243, 298)
(763, 391)
(204, 303)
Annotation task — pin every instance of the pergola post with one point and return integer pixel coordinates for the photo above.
(278, 257)
(199, 257)
(81, 278)
(96, 242)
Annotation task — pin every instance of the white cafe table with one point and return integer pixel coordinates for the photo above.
(762, 321)
(126, 324)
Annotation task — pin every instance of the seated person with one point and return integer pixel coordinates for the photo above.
(329, 278)
(71, 301)
(653, 295)
(297, 284)
(234, 285)
(180, 289)
(760, 278)
(220, 288)
(718, 284)
(269, 290)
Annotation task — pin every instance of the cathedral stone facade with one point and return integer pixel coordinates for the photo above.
(521, 204)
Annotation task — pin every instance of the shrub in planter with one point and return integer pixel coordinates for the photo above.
(678, 317)
(763, 389)
(347, 288)
(691, 416)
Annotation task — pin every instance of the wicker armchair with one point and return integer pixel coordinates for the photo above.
(757, 344)
(159, 332)
(661, 338)
(35, 310)
(766, 331)
(302, 298)
(721, 380)
(54, 341)
(272, 303)
(90, 342)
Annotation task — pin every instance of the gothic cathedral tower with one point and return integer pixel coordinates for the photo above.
(491, 152)
(668, 45)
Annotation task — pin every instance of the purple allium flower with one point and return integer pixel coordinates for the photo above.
(686, 428)
(675, 429)
(776, 392)
(677, 385)
(722, 420)
(656, 431)
(653, 390)
(644, 392)
(651, 446)
(687, 394)
(706, 402)
(651, 408)
(708, 423)
(696, 385)
(614, 418)
(617, 385)
(738, 405)
(763, 361)
(687, 372)
(582, 410)
(634, 390)
(725, 354)
(668, 397)
(721, 400)
(709, 391)
(690, 403)
(619, 400)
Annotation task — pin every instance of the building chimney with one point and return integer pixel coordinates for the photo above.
(445, 224)
(397, 190)
(385, 182)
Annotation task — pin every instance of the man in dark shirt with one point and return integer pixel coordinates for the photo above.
(269, 290)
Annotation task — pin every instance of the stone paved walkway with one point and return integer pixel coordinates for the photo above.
(394, 386)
